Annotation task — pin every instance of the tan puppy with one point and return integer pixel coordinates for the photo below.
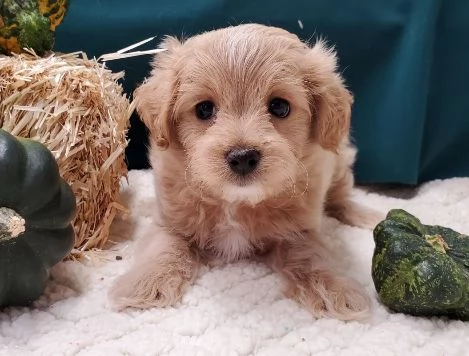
(249, 132)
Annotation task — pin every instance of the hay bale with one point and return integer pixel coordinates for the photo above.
(76, 107)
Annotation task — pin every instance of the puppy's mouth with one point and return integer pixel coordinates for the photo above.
(250, 172)
(243, 164)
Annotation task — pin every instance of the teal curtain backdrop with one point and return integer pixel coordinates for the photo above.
(406, 61)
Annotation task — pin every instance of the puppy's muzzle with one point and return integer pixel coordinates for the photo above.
(243, 161)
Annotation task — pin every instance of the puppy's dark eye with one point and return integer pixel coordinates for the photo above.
(279, 107)
(205, 110)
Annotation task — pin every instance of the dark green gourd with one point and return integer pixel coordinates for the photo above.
(36, 210)
(422, 270)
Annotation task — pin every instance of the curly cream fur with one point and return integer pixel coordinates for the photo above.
(204, 213)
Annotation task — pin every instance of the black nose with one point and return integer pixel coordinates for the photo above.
(243, 161)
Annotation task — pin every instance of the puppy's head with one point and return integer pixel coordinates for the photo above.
(245, 105)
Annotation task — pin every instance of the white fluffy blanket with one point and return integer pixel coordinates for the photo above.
(236, 309)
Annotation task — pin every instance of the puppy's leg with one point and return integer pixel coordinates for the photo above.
(313, 282)
(164, 266)
(340, 206)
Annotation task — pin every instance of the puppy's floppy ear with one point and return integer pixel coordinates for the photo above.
(154, 99)
(330, 101)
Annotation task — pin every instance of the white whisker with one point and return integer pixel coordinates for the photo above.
(190, 185)
(293, 183)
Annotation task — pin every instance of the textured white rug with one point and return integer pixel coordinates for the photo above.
(233, 310)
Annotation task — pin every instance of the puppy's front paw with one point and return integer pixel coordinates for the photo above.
(332, 295)
(150, 285)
